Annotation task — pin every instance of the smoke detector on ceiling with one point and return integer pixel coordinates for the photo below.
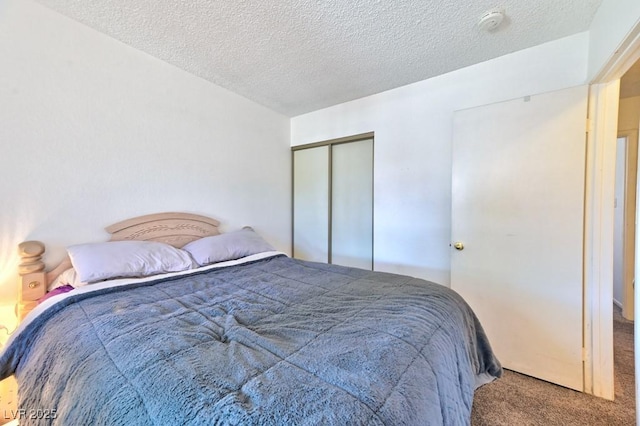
(491, 20)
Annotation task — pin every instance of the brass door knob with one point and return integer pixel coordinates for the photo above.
(458, 245)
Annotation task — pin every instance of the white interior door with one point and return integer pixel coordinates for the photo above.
(518, 208)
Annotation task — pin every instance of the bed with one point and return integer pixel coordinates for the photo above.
(244, 335)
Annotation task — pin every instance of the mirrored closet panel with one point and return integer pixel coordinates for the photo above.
(333, 201)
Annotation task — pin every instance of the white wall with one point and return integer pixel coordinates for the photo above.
(93, 132)
(629, 114)
(611, 25)
(618, 224)
(413, 134)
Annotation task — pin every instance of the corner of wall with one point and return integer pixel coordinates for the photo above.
(615, 24)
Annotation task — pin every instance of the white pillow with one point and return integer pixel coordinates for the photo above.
(229, 246)
(122, 259)
(70, 277)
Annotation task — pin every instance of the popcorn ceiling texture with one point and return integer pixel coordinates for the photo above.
(297, 56)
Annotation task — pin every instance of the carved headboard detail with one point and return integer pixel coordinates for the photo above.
(172, 228)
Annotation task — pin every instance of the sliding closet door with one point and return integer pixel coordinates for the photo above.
(311, 204)
(352, 204)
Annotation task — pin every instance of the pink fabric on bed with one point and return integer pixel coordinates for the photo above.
(56, 291)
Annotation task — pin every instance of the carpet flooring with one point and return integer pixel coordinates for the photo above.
(516, 399)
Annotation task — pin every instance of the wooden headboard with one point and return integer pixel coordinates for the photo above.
(176, 229)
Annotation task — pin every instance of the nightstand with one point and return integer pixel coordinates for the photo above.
(8, 386)
(8, 401)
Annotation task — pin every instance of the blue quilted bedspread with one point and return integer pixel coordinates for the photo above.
(274, 342)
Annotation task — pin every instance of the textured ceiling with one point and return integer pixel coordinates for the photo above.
(296, 56)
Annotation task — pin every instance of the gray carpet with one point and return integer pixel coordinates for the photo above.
(516, 399)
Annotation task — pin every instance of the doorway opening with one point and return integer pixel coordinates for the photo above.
(625, 214)
(625, 191)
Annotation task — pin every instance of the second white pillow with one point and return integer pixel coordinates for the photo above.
(229, 246)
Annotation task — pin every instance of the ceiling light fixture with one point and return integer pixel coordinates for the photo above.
(491, 20)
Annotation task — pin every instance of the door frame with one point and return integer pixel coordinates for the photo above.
(599, 236)
(602, 125)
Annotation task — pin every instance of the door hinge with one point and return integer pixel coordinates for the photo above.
(588, 128)
(584, 354)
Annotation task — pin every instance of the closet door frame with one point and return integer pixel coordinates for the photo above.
(330, 143)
